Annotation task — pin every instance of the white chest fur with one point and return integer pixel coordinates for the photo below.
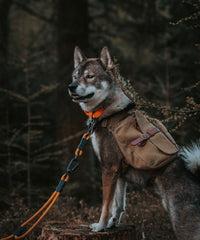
(95, 145)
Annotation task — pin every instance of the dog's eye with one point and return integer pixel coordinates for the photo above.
(89, 76)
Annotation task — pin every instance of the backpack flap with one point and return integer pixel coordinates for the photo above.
(158, 134)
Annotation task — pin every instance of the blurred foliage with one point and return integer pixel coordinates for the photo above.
(157, 47)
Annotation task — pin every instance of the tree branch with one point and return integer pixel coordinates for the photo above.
(58, 143)
(14, 94)
(33, 13)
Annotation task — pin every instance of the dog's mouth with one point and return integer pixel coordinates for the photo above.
(77, 97)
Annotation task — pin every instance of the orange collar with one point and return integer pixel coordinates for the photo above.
(96, 114)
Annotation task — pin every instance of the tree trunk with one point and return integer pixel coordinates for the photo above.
(58, 230)
(4, 79)
(4, 13)
(72, 30)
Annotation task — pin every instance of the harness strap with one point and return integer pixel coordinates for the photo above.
(145, 136)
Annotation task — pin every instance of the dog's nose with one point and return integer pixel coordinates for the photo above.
(72, 86)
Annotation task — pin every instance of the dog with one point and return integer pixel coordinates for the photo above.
(177, 184)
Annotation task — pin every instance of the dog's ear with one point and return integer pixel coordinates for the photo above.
(105, 58)
(78, 56)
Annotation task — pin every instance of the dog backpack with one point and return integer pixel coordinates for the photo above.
(145, 142)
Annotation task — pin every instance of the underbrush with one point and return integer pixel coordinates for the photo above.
(143, 210)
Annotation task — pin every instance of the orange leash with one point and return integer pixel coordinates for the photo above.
(48, 205)
(72, 166)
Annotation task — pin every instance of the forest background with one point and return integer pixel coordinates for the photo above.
(157, 46)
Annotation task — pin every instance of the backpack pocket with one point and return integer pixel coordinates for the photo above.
(144, 144)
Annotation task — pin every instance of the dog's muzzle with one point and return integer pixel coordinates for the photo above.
(72, 87)
(76, 97)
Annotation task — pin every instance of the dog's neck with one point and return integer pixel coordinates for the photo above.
(115, 102)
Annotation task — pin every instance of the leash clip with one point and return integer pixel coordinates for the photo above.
(73, 165)
(91, 125)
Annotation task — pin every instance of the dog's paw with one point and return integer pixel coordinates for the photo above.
(97, 227)
(113, 222)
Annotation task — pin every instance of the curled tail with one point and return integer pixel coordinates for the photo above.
(191, 156)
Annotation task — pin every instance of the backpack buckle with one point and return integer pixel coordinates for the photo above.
(145, 136)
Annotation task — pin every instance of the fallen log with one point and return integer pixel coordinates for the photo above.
(55, 230)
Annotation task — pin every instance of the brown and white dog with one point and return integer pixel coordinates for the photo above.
(179, 188)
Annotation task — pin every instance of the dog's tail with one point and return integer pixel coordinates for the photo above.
(191, 156)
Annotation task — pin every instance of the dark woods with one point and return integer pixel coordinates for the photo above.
(157, 46)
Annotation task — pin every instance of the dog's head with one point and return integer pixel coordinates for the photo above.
(91, 83)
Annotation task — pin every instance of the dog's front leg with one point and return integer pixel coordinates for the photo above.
(109, 179)
(119, 203)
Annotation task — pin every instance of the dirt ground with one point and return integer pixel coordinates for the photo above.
(143, 210)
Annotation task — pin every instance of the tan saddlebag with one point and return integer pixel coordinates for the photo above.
(145, 142)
